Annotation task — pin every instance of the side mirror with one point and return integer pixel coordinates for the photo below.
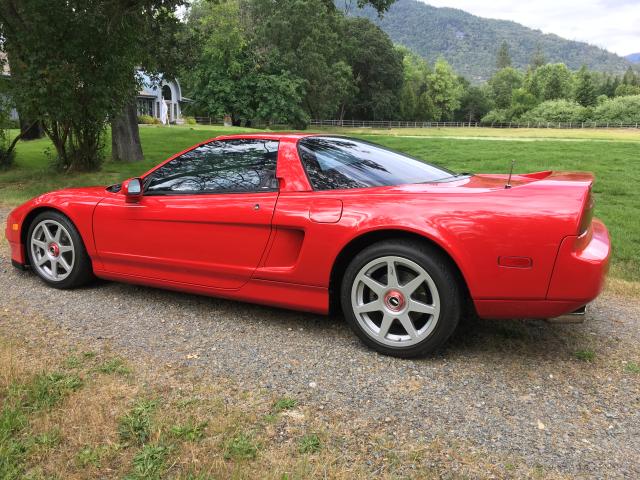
(132, 190)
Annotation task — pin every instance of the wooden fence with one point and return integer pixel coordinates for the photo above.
(384, 124)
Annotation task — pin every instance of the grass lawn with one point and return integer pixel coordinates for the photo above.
(613, 155)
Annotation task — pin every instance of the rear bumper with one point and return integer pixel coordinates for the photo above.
(581, 266)
(578, 278)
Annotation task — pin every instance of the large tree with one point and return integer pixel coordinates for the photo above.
(550, 82)
(303, 38)
(586, 94)
(229, 74)
(72, 63)
(502, 85)
(415, 102)
(444, 89)
(377, 69)
(283, 65)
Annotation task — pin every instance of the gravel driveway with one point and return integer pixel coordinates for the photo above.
(513, 388)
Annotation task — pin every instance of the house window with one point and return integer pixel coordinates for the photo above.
(145, 106)
(157, 115)
(166, 92)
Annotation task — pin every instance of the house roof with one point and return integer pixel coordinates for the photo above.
(151, 85)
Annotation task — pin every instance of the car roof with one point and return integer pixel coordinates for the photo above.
(268, 135)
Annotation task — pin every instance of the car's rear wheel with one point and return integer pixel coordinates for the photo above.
(56, 251)
(401, 298)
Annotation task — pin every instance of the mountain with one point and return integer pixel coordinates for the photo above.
(633, 57)
(470, 43)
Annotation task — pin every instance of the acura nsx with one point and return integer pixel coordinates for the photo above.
(322, 223)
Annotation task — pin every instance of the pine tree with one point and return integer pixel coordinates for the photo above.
(503, 59)
(586, 94)
(538, 59)
(630, 77)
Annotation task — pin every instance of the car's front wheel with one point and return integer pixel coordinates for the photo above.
(56, 251)
(401, 298)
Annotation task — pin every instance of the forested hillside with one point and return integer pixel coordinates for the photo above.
(469, 43)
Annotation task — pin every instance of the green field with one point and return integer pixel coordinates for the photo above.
(614, 156)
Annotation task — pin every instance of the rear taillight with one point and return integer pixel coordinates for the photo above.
(587, 214)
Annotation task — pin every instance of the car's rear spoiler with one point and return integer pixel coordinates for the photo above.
(548, 175)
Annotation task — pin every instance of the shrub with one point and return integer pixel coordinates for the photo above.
(148, 120)
(190, 120)
(496, 116)
(83, 148)
(619, 110)
(557, 111)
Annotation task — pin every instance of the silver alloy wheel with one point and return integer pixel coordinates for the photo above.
(395, 301)
(52, 250)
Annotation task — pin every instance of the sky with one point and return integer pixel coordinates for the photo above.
(611, 24)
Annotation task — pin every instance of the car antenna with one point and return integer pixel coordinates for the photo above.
(508, 185)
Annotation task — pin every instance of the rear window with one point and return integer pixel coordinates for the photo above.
(341, 163)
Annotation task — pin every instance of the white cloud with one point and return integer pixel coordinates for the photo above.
(612, 24)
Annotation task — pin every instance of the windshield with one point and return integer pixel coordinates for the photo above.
(339, 163)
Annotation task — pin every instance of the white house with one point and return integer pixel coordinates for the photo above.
(5, 71)
(156, 95)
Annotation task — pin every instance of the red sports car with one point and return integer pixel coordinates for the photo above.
(317, 222)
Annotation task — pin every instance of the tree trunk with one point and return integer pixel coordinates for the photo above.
(125, 136)
(30, 130)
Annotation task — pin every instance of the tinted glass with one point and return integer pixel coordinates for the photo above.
(337, 163)
(219, 166)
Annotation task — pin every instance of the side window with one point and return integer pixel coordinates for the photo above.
(340, 163)
(323, 168)
(225, 166)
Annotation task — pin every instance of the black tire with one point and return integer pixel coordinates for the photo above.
(82, 270)
(443, 275)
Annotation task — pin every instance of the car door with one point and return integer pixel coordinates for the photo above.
(204, 218)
